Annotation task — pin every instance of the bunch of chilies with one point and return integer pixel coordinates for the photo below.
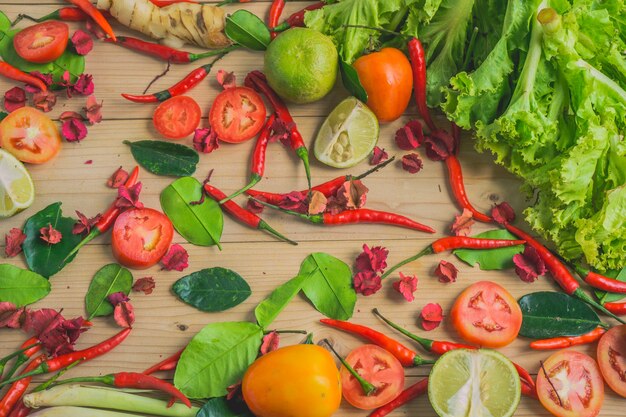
(447, 147)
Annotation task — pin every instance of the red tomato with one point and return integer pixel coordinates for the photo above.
(486, 314)
(237, 114)
(612, 358)
(30, 136)
(43, 42)
(579, 386)
(177, 117)
(378, 367)
(388, 79)
(141, 237)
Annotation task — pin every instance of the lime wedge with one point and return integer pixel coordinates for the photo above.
(17, 191)
(347, 136)
(474, 383)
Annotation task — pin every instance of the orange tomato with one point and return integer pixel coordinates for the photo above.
(387, 77)
(30, 136)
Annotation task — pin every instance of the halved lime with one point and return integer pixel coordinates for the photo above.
(17, 191)
(474, 383)
(347, 136)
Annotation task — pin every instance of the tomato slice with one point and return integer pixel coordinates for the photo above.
(43, 42)
(378, 367)
(141, 237)
(30, 136)
(486, 314)
(612, 358)
(237, 114)
(571, 385)
(177, 117)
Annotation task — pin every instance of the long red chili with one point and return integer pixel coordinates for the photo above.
(164, 52)
(91, 11)
(599, 281)
(67, 14)
(297, 18)
(19, 387)
(242, 215)
(567, 341)
(257, 81)
(166, 364)
(406, 356)
(276, 10)
(20, 410)
(412, 392)
(13, 73)
(616, 308)
(257, 165)
(455, 175)
(418, 64)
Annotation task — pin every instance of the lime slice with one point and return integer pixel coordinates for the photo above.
(474, 383)
(17, 191)
(347, 136)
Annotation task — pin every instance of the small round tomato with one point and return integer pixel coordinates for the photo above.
(486, 314)
(298, 380)
(577, 381)
(237, 114)
(30, 136)
(177, 117)
(141, 237)
(43, 42)
(612, 358)
(387, 78)
(378, 367)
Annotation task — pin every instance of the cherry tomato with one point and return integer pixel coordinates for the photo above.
(43, 42)
(177, 117)
(30, 136)
(141, 237)
(612, 358)
(388, 79)
(378, 367)
(237, 114)
(486, 314)
(298, 380)
(578, 383)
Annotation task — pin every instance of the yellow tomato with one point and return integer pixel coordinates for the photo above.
(293, 381)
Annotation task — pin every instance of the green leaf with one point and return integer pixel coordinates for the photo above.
(216, 358)
(212, 289)
(328, 285)
(164, 158)
(5, 22)
(611, 297)
(247, 30)
(200, 224)
(218, 407)
(3, 114)
(351, 81)
(21, 287)
(42, 257)
(491, 259)
(268, 309)
(109, 279)
(553, 314)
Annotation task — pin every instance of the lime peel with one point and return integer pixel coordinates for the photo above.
(17, 190)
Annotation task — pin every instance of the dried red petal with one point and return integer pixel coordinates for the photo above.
(234, 391)
(118, 178)
(529, 265)
(11, 316)
(74, 130)
(430, 325)
(84, 85)
(432, 312)
(280, 131)
(294, 201)
(463, 223)
(270, 342)
(226, 79)
(50, 234)
(69, 115)
(446, 272)
(38, 321)
(57, 334)
(366, 283)
(14, 99)
(44, 100)
(410, 136)
(378, 155)
(374, 259)
(317, 204)
(176, 258)
(88, 162)
(406, 286)
(124, 314)
(205, 140)
(503, 213)
(254, 206)
(412, 163)
(95, 29)
(117, 297)
(83, 44)
(439, 145)
(84, 224)
(128, 197)
(353, 194)
(93, 110)
(145, 285)
(13, 242)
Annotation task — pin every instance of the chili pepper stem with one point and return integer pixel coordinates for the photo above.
(10, 356)
(254, 180)
(375, 168)
(425, 343)
(426, 251)
(94, 233)
(368, 387)
(281, 28)
(275, 207)
(303, 154)
(53, 381)
(581, 295)
(195, 57)
(264, 226)
(286, 331)
(308, 340)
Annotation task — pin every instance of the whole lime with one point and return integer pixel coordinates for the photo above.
(301, 65)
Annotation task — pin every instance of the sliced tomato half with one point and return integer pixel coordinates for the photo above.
(30, 136)
(177, 117)
(237, 114)
(612, 358)
(43, 42)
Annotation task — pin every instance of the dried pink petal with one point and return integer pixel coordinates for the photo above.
(233, 391)
(270, 342)
(463, 223)
(503, 213)
(69, 115)
(205, 140)
(406, 285)
(13, 242)
(374, 259)
(412, 163)
(446, 272)
(439, 145)
(93, 110)
(74, 130)
(176, 258)
(118, 178)
(124, 314)
(226, 79)
(88, 162)
(44, 100)
(378, 155)
(117, 297)
(353, 194)
(294, 201)
(83, 44)
(529, 265)
(432, 316)
(254, 206)
(410, 136)
(50, 234)
(84, 224)
(84, 85)
(281, 131)
(14, 99)
(128, 197)
(317, 204)
(430, 325)
(11, 316)
(145, 285)
(366, 283)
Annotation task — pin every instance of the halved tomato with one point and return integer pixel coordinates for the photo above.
(30, 136)
(612, 358)
(141, 237)
(486, 314)
(177, 117)
(571, 385)
(43, 42)
(378, 367)
(237, 114)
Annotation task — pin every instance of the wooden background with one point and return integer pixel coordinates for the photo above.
(164, 324)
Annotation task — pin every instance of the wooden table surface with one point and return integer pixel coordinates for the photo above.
(164, 324)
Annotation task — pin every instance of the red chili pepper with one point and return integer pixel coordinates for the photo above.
(257, 81)
(166, 364)
(191, 80)
(67, 14)
(25, 352)
(297, 18)
(406, 356)
(567, 341)
(164, 52)
(276, 10)
(13, 73)
(18, 387)
(529, 390)
(257, 167)
(616, 308)
(455, 175)
(599, 281)
(418, 63)
(20, 410)
(242, 215)
(91, 11)
(412, 392)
